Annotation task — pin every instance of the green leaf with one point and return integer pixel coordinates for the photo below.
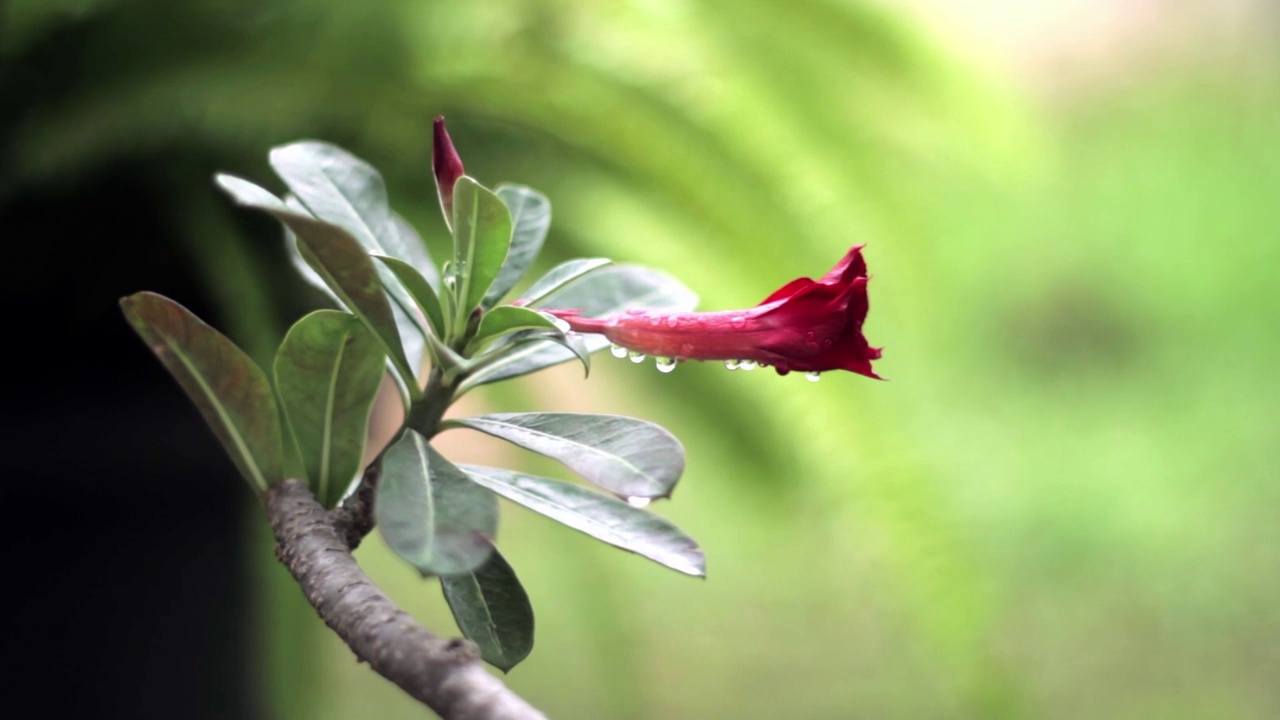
(612, 289)
(626, 456)
(561, 275)
(328, 370)
(530, 220)
(602, 517)
(481, 239)
(229, 389)
(407, 322)
(493, 611)
(421, 290)
(622, 287)
(341, 189)
(430, 512)
(342, 263)
(509, 319)
(409, 246)
(518, 345)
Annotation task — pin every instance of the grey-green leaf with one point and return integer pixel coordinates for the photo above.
(619, 288)
(509, 319)
(626, 456)
(530, 220)
(481, 239)
(328, 370)
(406, 244)
(493, 611)
(341, 189)
(421, 289)
(600, 516)
(229, 389)
(430, 513)
(597, 294)
(341, 262)
(561, 275)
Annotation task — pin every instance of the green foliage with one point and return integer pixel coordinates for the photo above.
(627, 457)
(227, 387)
(429, 511)
(481, 240)
(493, 610)
(616, 522)
(530, 221)
(327, 373)
(438, 518)
(343, 265)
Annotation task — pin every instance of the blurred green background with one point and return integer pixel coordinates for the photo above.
(1064, 503)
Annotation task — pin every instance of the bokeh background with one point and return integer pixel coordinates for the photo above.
(1065, 502)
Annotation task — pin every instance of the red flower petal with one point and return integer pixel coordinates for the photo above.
(446, 164)
(806, 326)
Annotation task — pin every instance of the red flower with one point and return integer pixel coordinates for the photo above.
(806, 325)
(446, 164)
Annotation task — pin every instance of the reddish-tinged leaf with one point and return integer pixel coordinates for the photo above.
(228, 388)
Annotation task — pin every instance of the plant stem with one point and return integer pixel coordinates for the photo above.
(445, 675)
(426, 414)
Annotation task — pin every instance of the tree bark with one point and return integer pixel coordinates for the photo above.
(444, 674)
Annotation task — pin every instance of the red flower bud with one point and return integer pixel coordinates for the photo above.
(447, 166)
(806, 325)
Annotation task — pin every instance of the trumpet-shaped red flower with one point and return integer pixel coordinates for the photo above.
(806, 325)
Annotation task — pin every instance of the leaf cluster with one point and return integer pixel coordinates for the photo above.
(438, 331)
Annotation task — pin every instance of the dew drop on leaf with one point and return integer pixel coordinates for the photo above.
(639, 502)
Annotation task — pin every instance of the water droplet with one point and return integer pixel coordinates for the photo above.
(747, 364)
(639, 502)
(618, 351)
(738, 322)
(672, 321)
(731, 364)
(665, 364)
(635, 356)
(812, 376)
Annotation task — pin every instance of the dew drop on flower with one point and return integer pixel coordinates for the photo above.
(812, 376)
(639, 502)
(636, 356)
(747, 365)
(618, 351)
(732, 364)
(672, 321)
(665, 364)
(738, 322)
